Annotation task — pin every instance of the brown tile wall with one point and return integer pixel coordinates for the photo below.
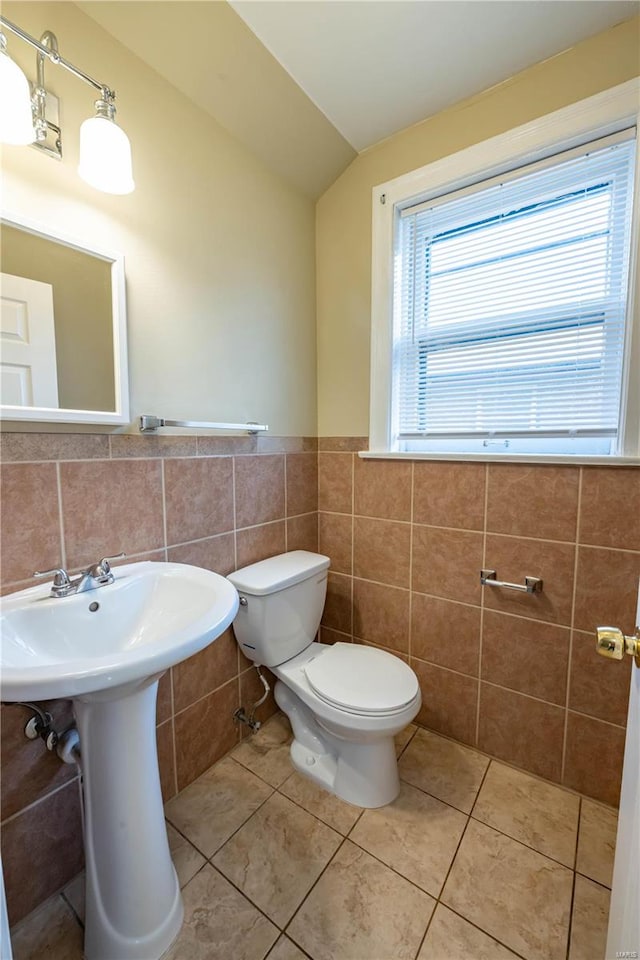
(219, 503)
(514, 674)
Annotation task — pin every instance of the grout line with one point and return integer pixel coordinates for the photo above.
(243, 893)
(489, 533)
(529, 696)
(573, 614)
(598, 883)
(208, 693)
(164, 503)
(575, 852)
(412, 508)
(173, 734)
(482, 607)
(63, 546)
(34, 803)
(571, 905)
(312, 887)
(286, 504)
(471, 923)
(581, 713)
(257, 526)
(235, 520)
(70, 906)
(353, 543)
(522, 843)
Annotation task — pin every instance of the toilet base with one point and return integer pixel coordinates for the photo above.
(364, 773)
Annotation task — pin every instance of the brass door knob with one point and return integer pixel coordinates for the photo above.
(612, 643)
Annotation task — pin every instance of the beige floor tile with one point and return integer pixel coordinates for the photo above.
(266, 753)
(445, 769)
(361, 910)
(449, 937)
(277, 856)
(216, 804)
(322, 804)
(589, 920)
(51, 931)
(417, 835)
(596, 842)
(539, 814)
(286, 950)
(403, 738)
(74, 894)
(514, 894)
(220, 923)
(186, 859)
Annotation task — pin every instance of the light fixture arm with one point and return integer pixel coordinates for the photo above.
(50, 52)
(105, 151)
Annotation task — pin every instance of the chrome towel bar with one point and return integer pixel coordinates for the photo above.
(530, 585)
(149, 424)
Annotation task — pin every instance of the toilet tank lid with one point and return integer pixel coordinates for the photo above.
(276, 573)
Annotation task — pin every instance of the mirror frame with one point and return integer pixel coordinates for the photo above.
(120, 414)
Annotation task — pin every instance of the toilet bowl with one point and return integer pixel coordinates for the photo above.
(345, 702)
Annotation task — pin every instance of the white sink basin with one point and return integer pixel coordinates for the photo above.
(153, 616)
(108, 661)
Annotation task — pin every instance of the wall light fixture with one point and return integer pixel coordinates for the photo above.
(105, 151)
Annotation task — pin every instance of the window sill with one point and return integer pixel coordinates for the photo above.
(504, 458)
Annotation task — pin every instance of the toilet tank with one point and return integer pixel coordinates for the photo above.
(284, 601)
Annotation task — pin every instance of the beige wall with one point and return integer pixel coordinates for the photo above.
(219, 251)
(343, 220)
(82, 313)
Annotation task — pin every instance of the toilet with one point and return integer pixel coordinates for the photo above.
(345, 702)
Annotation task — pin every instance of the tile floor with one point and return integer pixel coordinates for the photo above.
(474, 861)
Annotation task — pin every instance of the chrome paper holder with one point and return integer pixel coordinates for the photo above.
(488, 578)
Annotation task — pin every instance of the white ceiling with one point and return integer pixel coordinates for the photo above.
(374, 67)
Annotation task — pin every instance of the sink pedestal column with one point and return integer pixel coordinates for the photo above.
(133, 905)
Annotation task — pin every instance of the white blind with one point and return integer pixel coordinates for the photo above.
(510, 302)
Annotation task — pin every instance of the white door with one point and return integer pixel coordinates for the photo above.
(623, 941)
(28, 375)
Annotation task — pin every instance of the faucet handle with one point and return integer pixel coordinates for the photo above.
(62, 585)
(60, 578)
(103, 567)
(107, 560)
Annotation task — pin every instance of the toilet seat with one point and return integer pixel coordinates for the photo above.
(361, 680)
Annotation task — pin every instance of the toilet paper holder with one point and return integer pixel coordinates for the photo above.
(488, 578)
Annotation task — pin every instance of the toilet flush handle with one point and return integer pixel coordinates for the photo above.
(244, 602)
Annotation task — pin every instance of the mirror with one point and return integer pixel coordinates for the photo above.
(63, 354)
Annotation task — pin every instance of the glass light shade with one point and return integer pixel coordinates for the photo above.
(16, 120)
(105, 156)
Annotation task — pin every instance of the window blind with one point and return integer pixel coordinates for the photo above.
(510, 302)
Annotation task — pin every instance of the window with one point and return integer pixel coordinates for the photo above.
(510, 326)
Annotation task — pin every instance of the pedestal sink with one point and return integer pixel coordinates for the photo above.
(106, 649)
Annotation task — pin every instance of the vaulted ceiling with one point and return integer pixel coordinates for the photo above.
(308, 85)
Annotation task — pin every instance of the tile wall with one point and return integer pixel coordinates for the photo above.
(70, 499)
(513, 674)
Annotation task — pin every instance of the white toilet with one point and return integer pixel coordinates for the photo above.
(345, 702)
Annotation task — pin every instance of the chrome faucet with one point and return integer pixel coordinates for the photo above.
(97, 575)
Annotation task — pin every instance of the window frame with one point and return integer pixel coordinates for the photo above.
(597, 116)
